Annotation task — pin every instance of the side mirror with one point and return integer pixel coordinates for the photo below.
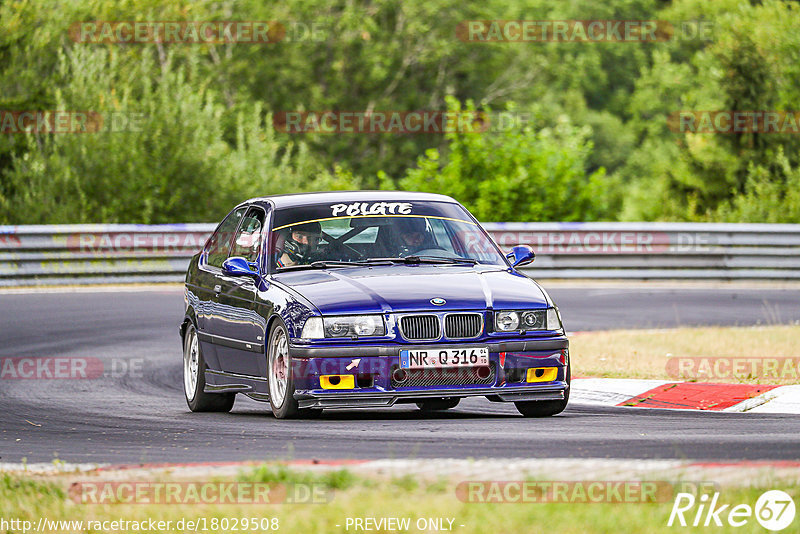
(521, 255)
(238, 266)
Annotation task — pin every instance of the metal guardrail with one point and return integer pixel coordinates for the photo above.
(126, 253)
(98, 253)
(657, 250)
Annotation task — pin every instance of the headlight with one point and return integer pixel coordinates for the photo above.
(368, 325)
(553, 319)
(506, 321)
(511, 321)
(344, 326)
(534, 320)
(313, 328)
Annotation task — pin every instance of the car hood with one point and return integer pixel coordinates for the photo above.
(403, 288)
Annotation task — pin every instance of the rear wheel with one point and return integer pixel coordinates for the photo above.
(545, 408)
(438, 405)
(194, 379)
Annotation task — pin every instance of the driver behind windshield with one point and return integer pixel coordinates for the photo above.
(301, 244)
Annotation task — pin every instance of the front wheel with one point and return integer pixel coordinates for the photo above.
(438, 405)
(545, 408)
(194, 379)
(279, 374)
(541, 408)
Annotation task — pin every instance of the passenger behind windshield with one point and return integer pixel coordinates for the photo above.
(414, 236)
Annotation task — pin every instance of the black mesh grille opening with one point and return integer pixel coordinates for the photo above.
(514, 374)
(420, 327)
(446, 376)
(364, 380)
(462, 325)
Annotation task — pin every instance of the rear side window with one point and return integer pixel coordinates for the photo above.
(220, 242)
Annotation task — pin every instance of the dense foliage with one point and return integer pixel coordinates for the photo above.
(598, 145)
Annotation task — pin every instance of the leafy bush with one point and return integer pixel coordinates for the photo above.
(519, 174)
(770, 197)
(189, 158)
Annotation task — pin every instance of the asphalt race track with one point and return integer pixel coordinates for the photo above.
(139, 414)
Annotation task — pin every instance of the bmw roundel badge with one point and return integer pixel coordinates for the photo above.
(438, 301)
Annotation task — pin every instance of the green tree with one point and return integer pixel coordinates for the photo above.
(519, 174)
(765, 198)
(175, 164)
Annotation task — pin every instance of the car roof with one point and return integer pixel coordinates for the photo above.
(306, 199)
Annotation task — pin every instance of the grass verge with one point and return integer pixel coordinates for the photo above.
(650, 353)
(418, 503)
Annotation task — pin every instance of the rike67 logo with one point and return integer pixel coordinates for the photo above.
(774, 510)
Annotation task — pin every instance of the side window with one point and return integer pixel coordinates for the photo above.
(220, 242)
(248, 240)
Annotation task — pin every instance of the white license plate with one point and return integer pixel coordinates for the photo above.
(433, 358)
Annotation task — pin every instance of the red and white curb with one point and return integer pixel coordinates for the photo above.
(686, 395)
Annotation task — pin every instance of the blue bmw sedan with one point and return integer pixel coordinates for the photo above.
(366, 299)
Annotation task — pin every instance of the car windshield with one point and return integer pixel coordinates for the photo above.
(340, 234)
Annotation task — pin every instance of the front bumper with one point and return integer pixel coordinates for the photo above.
(372, 368)
(369, 399)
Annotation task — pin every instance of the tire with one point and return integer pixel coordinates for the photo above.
(438, 405)
(545, 408)
(279, 374)
(194, 379)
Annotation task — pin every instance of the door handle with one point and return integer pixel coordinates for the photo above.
(217, 288)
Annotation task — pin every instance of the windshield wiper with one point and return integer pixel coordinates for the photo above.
(323, 264)
(438, 259)
(410, 260)
(424, 259)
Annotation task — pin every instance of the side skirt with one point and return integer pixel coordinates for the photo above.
(222, 382)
